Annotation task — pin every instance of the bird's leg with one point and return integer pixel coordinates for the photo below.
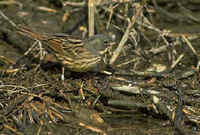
(63, 74)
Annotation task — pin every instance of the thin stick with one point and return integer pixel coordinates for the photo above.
(6, 18)
(125, 37)
(177, 61)
(189, 45)
(81, 91)
(193, 50)
(91, 17)
(111, 8)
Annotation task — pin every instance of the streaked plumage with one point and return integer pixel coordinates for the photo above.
(72, 52)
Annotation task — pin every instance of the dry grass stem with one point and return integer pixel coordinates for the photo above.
(117, 52)
(91, 8)
(6, 18)
(177, 61)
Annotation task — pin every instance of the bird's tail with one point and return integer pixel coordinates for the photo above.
(22, 29)
(26, 31)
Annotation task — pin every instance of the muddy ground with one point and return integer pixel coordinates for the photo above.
(152, 88)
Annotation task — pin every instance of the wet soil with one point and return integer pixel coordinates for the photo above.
(34, 99)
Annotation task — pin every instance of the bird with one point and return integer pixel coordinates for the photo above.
(72, 52)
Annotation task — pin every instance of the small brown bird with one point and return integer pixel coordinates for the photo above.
(72, 52)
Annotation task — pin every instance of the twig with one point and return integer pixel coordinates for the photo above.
(193, 50)
(177, 61)
(75, 4)
(187, 13)
(31, 48)
(189, 45)
(6, 18)
(11, 2)
(110, 15)
(179, 115)
(125, 37)
(91, 17)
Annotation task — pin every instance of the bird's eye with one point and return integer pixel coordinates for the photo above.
(105, 41)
